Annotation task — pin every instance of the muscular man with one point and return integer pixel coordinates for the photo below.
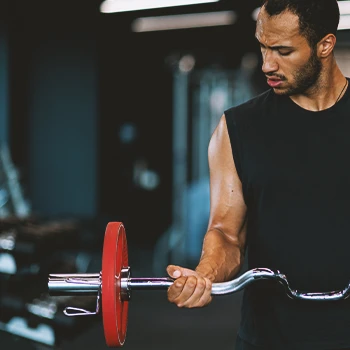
(280, 187)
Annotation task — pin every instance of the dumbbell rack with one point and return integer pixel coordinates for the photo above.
(27, 249)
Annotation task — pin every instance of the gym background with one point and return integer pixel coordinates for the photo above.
(107, 117)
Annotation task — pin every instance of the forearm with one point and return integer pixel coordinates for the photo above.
(222, 257)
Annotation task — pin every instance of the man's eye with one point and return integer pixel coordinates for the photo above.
(284, 53)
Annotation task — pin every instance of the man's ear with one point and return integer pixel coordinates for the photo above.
(326, 45)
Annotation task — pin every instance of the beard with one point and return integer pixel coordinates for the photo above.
(305, 77)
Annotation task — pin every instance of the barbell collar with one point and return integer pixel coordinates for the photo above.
(68, 284)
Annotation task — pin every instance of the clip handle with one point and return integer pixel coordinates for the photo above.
(76, 311)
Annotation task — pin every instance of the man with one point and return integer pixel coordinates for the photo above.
(285, 192)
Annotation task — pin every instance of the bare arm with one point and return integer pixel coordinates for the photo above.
(224, 241)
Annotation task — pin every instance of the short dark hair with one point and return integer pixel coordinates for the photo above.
(317, 18)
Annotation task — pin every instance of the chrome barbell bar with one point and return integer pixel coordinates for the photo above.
(86, 284)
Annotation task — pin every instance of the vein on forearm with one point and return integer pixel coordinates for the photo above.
(222, 255)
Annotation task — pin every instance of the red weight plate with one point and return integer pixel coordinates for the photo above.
(114, 309)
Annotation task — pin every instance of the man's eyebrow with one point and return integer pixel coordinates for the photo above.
(276, 47)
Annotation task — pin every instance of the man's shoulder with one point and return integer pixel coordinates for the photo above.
(251, 107)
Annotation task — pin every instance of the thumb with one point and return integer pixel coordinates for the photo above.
(175, 271)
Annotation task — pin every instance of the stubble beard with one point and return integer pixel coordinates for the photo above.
(305, 78)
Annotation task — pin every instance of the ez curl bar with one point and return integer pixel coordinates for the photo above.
(115, 283)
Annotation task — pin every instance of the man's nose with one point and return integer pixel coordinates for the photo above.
(269, 63)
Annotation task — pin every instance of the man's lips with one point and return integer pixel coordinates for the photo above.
(274, 82)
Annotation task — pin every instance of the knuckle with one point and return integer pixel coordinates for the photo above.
(177, 301)
(208, 284)
(171, 300)
(187, 305)
(173, 293)
(179, 283)
(198, 303)
(201, 284)
(192, 281)
(171, 297)
(203, 303)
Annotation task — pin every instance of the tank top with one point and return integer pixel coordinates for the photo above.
(294, 166)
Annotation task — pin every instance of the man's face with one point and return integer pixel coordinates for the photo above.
(289, 63)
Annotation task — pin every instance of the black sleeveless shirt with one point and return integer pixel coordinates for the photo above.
(294, 166)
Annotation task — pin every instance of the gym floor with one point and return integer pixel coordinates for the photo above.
(154, 323)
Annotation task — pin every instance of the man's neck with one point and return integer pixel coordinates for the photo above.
(329, 89)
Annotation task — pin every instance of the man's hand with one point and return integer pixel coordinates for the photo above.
(190, 289)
